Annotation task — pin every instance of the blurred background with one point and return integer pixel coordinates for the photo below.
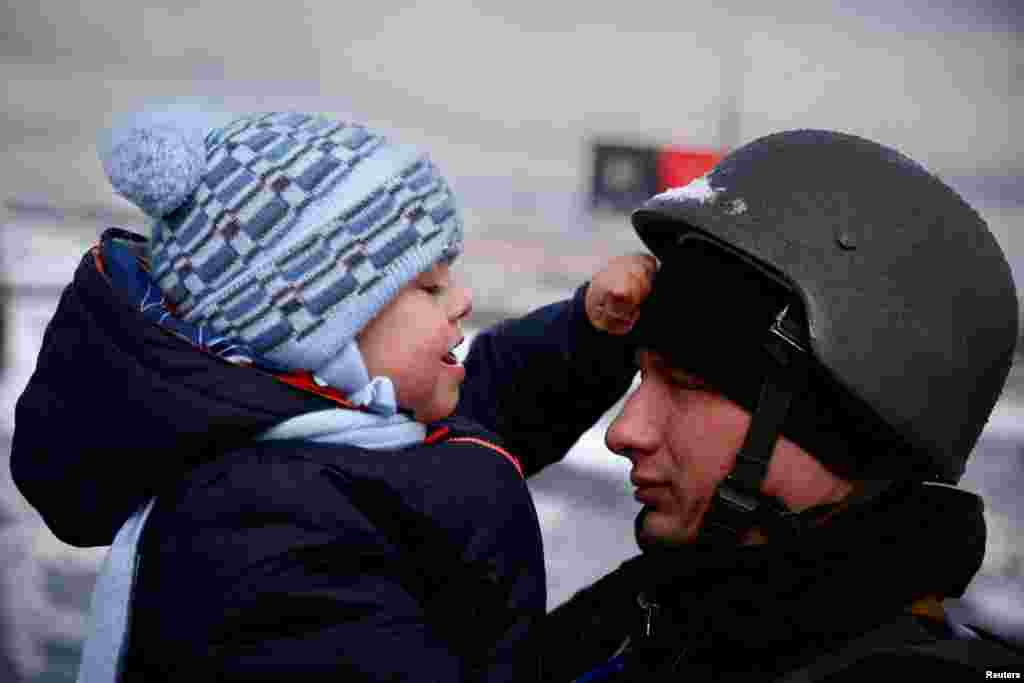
(551, 120)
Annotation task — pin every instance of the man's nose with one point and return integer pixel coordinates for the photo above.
(633, 433)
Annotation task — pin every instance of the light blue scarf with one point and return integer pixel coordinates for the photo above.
(382, 429)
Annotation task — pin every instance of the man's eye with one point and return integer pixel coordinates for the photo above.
(689, 384)
(433, 290)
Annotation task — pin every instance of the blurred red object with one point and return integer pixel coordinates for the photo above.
(626, 175)
(677, 166)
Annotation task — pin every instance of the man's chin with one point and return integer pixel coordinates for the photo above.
(650, 537)
(646, 538)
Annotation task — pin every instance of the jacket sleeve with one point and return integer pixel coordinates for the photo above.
(270, 572)
(540, 381)
(276, 569)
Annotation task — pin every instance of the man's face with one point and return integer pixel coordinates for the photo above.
(682, 438)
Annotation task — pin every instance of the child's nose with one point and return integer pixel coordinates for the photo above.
(462, 306)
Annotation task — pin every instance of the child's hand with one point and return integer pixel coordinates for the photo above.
(616, 292)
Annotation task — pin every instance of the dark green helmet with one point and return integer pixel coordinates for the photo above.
(910, 314)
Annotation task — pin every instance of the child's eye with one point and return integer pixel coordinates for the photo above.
(433, 290)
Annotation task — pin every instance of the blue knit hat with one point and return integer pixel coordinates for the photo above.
(286, 231)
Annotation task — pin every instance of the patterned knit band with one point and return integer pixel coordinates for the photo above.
(300, 230)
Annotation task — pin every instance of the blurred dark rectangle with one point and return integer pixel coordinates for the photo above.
(625, 176)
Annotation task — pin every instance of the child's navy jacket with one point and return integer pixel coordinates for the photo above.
(286, 560)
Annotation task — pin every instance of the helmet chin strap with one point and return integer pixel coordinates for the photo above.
(738, 505)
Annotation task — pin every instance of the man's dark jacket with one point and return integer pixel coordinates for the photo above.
(856, 599)
(296, 561)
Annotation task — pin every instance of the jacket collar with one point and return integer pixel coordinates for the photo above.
(868, 562)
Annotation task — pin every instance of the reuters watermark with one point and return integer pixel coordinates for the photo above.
(1004, 675)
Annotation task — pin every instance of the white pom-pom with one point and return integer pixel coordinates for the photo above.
(156, 167)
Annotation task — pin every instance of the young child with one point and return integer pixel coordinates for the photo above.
(266, 388)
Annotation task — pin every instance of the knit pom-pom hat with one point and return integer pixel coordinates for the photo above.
(286, 231)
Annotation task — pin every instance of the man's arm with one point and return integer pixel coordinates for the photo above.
(540, 381)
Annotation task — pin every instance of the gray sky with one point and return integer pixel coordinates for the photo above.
(513, 93)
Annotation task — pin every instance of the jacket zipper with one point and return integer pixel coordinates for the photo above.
(651, 610)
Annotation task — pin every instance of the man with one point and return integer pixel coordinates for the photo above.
(828, 333)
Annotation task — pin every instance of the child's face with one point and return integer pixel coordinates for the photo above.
(411, 339)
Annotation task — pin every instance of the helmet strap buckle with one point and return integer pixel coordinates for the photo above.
(738, 504)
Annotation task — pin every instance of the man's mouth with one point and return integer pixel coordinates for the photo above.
(648, 495)
(647, 490)
(642, 482)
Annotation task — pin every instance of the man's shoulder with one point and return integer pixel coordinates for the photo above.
(609, 604)
(914, 648)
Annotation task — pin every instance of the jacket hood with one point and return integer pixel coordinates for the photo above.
(118, 405)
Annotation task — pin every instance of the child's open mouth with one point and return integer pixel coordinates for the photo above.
(450, 358)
